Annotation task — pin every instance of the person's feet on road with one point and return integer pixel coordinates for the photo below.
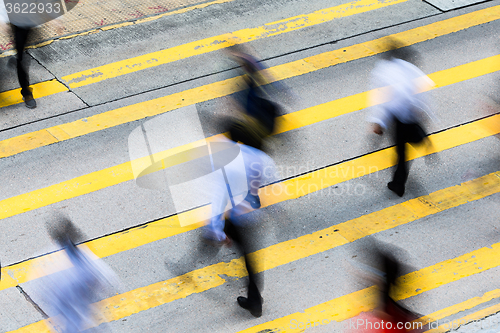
(255, 308)
(396, 188)
(29, 101)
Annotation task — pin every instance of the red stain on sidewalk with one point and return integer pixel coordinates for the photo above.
(137, 14)
(159, 9)
(6, 46)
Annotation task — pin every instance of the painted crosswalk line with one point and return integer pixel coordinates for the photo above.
(351, 305)
(435, 317)
(215, 43)
(214, 90)
(344, 307)
(270, 195)
(198, 47)
(124, 172)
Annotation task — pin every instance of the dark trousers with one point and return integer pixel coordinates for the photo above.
(240, 238)
(405, 133)
(20, 38)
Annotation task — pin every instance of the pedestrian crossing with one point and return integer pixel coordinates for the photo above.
(211, 44)
(219, 89)
(347, 306)
(330, 314)
(290, 189)
(121, 173)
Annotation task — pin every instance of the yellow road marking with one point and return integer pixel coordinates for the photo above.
(290, 189)
(348, 306)
(118, 25)
(317, 113)
(190, 49)
(351, 305)
(463, 306)
(469, 319)
(40, 90)
(269, 195)
(123, 172)
(204, 93)
(222, 41)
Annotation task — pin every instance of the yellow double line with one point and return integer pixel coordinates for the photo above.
(157, 106)
(426, 279)
(200, 280)
(123, 172)
(198, 47)
(272, 194)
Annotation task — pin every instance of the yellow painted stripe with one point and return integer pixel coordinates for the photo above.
(300, 186)
(318, 180)
(272, 194)
(204, 93)
(351, 305)
(119, 25)
(40, 90)
(463, 306)
(348, 306)
(476, 316)
(323, 178)
(211, 44)
(206, 45)
(123, 172)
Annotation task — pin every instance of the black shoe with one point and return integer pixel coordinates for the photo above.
(398, 189)
(254, 308)
(30, 102)
(254, 200)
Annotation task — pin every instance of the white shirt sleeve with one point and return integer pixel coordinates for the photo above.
(380, 93)
(403, 94)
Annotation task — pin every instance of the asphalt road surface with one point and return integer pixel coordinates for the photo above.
(166, 75)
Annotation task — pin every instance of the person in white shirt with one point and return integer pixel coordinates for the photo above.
(400, 101)
(235, 199)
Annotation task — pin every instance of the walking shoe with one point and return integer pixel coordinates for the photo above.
(255, 309)
(254, 200)
(212, 242)
(30, 102)
(399, 190)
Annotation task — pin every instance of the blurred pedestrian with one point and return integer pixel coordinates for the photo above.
(260, 111)
(235, 195)
(389, 315)
(73, 283)
(403, 319)
(21, 24)
(400, 102)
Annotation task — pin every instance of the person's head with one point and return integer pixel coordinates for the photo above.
(399, 50)
(243, 56)
(64, 232)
